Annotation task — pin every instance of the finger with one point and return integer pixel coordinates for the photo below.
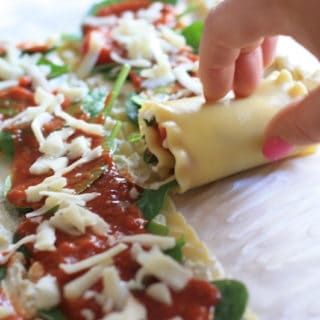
(299, 124)
(221, 43)
(248, 73)
(269, 49)
(217, 65)
(217, 82)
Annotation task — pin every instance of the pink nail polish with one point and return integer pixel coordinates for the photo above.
(276, 148)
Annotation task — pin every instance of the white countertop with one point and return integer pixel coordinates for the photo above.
(264, 225)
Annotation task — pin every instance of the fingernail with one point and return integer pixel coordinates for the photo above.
(276, 148)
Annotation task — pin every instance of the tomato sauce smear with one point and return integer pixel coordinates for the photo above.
(117, 207)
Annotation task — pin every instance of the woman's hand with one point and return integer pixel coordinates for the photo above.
(239, 41)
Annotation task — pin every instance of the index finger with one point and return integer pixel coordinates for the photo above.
(229, 27)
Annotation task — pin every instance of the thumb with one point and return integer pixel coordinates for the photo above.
(296, 125)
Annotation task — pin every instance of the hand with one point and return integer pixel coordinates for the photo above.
(239, 41)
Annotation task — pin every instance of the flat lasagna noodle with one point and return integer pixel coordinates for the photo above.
(200, 144)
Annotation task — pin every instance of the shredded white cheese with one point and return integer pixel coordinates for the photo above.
(115, 290)
(164, 268)
(96, 43)
(8, 252)
(163, 243)
(46, 237)
(160, 292)
(77, 287)
(52, 183)
(47, 293)
(132, 311)
(43, 165)
(103, 258)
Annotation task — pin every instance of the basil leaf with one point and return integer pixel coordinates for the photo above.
(53, 314)
(3, 272)
(193, 34)
(176, 252)
(151, 202)
(56, 70)
(157, 228)
(7, 185)
(100, 5)
(93, 103)
(132, 108)
(234, 300)
(6, 144)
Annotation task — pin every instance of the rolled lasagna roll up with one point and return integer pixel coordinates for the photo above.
(198, 144)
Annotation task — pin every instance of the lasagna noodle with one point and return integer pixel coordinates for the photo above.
(206, 143)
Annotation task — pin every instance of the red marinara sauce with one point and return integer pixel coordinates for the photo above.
(116, 206)
(14, 100)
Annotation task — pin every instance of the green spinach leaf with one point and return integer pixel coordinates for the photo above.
(132, 108)
(53, 314)
(173, 2)
(72, 37)
(176, 252)
(157, 228)
(95, 8)
(3, 272)
(6, 143)
(193, 34)
(151, 202)
(93, 103)
(56, 70)
(234, 299)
